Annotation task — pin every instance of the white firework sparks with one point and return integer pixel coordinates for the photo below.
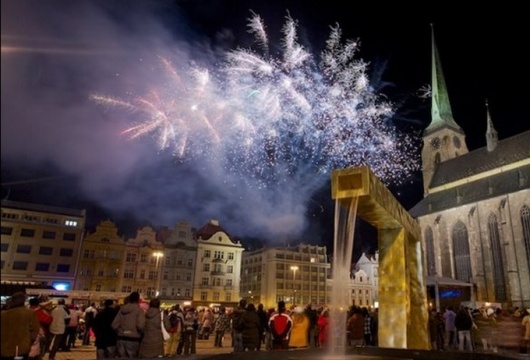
(276, 125)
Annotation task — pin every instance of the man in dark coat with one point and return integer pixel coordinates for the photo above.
(106, 337)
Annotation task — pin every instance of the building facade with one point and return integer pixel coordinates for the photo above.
(365, 281)
(40, 244)
(475, 214)
(218, 267)
(178, 268)
(101, 260)
(296, 275)
(144, 256)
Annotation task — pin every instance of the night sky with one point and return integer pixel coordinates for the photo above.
(61, 149)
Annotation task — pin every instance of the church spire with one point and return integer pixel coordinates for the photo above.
(491, 134)
(441, 113)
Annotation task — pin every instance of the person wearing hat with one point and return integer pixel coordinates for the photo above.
(20, 327)
(44, 314)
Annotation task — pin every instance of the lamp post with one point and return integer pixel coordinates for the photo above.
(157, 255)
(294, 268)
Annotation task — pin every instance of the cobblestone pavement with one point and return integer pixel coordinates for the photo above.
(88, 352)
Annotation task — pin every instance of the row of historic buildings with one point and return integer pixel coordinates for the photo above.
(49, 247)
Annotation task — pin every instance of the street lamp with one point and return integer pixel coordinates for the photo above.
(294, 268)
(157, 255)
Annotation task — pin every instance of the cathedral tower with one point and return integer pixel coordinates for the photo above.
(443, 139)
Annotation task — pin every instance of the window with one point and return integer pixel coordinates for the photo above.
(6, 215)
(190, 262)
(498, 263)
(5, 247)
(204, 295)
(143, 258)
(72, 223)
(101, 272)
(128, 274)
(31, 218)
(228, 282)
(48, 235)
(219, 254)
(205, 281)
(126, 289)
(42, 267)
(20, 265)
(66, 252)
(461, 252)
(230, 269)
(27, 233)
(7, 230)
(130, 257)
(69, 236)
(207, 253)
(45, 250)
(429, 245)
(228, 297)
(63, 267)
(23, 249)
(216, 296)
(98, 287)
(187, 293)
(182, 234)
(230, 256)
(142, 274)
(152, 275)
(88, 254)
(206, 267)
(525, 221)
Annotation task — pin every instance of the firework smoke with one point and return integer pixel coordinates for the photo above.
(269, 129)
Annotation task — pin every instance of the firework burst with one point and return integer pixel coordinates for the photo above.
(277, 126)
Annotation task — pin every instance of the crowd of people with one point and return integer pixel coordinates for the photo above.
(483, 329)
(144, 330)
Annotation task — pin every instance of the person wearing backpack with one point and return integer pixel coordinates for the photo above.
(280, 325)
(176, 321)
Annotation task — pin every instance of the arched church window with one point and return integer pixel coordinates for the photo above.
(429, 247)
(498, 264)
(461, 254)
(525, 221)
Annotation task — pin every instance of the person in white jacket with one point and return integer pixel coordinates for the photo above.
(58, 327)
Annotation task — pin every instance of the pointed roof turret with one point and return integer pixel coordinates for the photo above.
(441, 114)
(492, 138)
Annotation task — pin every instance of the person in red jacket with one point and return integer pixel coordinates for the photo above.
(323, 325)
(44, 314)
(280, 325)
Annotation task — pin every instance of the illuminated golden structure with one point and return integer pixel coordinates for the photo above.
(403, 309)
